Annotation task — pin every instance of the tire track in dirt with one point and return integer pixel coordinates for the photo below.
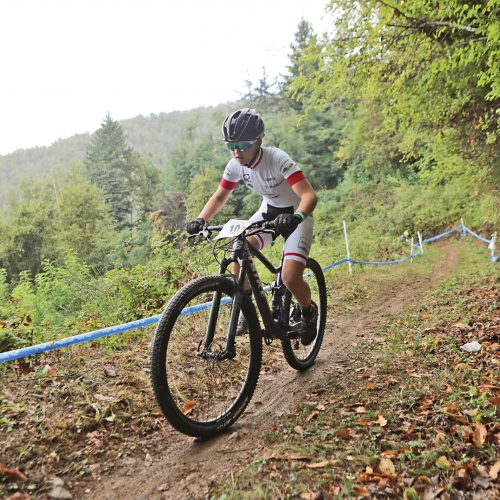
(189, 465)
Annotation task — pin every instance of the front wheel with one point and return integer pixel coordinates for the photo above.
(297, 355)
(202, 397)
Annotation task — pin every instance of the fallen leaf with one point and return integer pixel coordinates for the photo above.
(388, 453)
(361, 491)
(369, 478)
(383, 483)
(318, 465)
(148, 461)
(364, 421)
(49, 370)
(382, 421)
(320, 407)
(427, 403)
(94, 470)
(479, 434)
(370, 386)
(443, 463)
(188, 407)
(345, 433)
(16, 473)
(100, 397)
(493, 473)
(360, 409)
(335, 489)
(386, 466)
(298, 430)
(495, 401)
(18, 496)
(313, 414)
(286, 456)
(461, 326)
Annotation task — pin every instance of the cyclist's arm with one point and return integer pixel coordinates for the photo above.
(308, 198)
(215, 203)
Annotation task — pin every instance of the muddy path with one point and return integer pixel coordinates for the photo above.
(184, 468)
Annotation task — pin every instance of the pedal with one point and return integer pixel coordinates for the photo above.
(292, 335)
(269, 335)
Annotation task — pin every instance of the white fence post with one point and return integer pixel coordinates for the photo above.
(347, 247)
(492, 244)
(464, 234)
(420, 241)
(411, 250)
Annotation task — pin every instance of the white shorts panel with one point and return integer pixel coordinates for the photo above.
(297, 246)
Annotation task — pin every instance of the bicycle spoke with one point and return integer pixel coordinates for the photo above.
(198, 391)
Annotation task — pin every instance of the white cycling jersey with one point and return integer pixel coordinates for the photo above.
(272, 175)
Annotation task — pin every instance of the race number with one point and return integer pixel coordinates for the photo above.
(233, 228)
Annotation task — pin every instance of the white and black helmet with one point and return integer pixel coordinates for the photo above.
(243, 125)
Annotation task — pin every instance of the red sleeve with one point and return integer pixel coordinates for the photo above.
(227, 184)
(296, 177)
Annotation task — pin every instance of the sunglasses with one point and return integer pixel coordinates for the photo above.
(240, 145)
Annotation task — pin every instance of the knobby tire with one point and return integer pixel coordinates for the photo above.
(203, 397)
(297, 355)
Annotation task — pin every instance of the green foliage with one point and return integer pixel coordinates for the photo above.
(418, 74)
(186, 161)
(80, 209)
(37, 162)
(109, 167)
(393, 118)
(28, 237)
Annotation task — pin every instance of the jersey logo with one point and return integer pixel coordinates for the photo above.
(285, 169)
(246, 179)
(304, 245)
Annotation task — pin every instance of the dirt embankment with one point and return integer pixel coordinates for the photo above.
(186, 467)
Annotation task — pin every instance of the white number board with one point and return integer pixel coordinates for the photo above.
(232, 228)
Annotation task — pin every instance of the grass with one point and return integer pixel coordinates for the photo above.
(91, 405)
(409, 417)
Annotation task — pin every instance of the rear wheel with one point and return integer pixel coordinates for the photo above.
(298, 355)
(202, 397)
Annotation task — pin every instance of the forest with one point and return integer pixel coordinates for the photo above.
(393, 116)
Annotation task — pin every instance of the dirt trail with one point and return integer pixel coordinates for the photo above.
(186, 466)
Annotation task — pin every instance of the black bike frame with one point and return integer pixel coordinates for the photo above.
(243, 252)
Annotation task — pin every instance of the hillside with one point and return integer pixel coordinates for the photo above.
(156, 134)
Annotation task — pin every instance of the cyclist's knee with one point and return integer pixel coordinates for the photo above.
(292, 277)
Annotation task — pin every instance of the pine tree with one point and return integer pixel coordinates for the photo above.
(304, 38)
(109, 166)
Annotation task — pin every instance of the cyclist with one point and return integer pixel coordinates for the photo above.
(288, 199)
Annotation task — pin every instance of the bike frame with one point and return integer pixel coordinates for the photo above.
(243, 253)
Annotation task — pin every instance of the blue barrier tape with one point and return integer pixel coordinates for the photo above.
(476, 235)
(113, 330)
(388, 263)
(335, 264)
(441, 235)
(77, 339)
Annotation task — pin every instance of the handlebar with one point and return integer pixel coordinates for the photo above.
(254, 228)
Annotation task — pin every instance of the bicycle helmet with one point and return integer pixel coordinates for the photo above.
(242, 125)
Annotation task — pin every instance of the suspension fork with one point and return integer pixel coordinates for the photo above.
(230, 351)
(214, 311)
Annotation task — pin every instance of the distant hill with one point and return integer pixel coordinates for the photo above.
(154, 134)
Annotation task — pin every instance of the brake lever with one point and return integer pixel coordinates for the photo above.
(204, 233)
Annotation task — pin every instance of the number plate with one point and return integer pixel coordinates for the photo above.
(232, 228)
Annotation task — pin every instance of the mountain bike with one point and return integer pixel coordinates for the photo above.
(203, 375)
